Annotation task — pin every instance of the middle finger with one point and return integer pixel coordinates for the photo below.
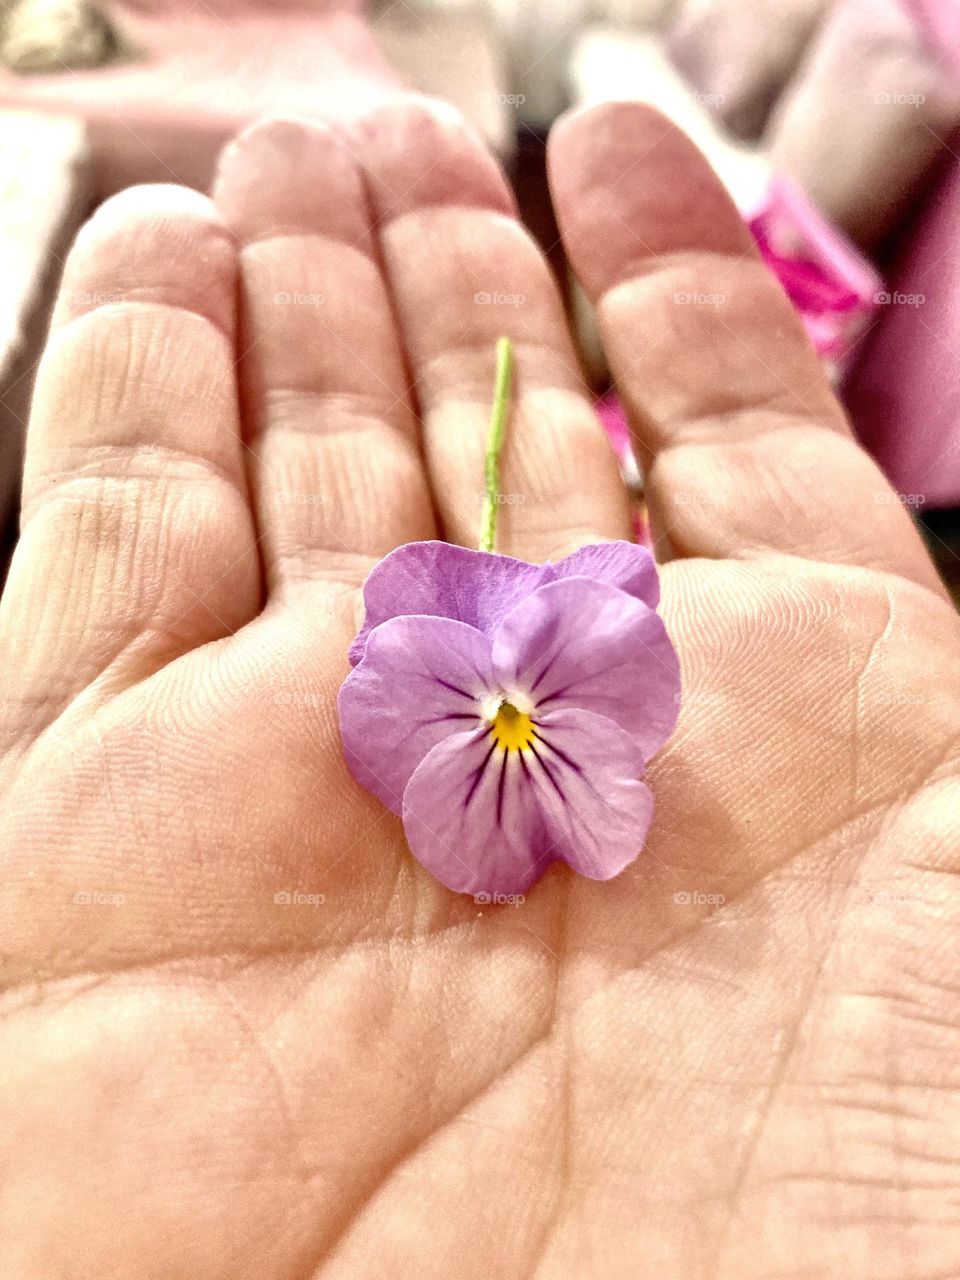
(464, 272)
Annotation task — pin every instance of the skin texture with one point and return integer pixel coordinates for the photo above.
(738, 1059)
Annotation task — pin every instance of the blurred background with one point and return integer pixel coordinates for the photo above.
(835, 125)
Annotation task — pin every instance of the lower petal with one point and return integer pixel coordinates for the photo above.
(487, 821)
(469, 819)
(594, 808)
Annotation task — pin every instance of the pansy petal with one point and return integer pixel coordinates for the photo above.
(489, 822)
(444, 581)
(420, 680)
(470, 820)
(580, 643)
(596, 811)
(626, 565)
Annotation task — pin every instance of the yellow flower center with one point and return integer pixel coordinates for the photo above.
(512, 729)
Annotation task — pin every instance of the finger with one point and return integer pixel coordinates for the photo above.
(749, 451)
(335, 468)
(462, 273)
(137, 541)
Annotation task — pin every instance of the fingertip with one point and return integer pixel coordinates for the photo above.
(286, 175)
(419, 152)
(629, 187)
(156, 243)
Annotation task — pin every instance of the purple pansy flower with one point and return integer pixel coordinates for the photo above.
(507, 710)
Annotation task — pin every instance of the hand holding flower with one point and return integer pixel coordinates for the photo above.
(236, 1011)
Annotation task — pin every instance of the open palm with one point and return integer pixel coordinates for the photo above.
(244, 1034)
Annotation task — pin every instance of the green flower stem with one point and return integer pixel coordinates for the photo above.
(498, 430)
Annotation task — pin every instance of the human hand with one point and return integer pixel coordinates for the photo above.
(736, 1059)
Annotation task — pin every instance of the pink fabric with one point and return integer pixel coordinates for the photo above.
(614, 420)
(831, 284)
(939, 20)
(904, 393)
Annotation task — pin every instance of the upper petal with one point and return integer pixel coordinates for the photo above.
(436, 578)
(580, 643)
(420, 680)
(626, 565)
(487, 821)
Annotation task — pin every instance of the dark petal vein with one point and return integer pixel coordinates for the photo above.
(552, 697)
(500, 786)
(549, 772)
(453, 689)
(571, 764)
(478, 774)
(544, 672)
